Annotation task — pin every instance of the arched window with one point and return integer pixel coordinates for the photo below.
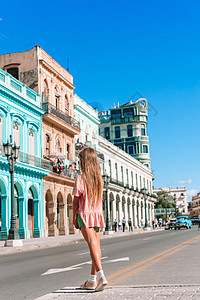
(31, 142)
(57, 98)
(58, 146)
(16, 133)
(14, 71)
(145, 149)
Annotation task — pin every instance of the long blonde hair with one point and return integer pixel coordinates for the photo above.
(91, 174)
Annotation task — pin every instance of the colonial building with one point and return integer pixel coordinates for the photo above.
(126, 127)
(21, 117)
(180, 196)
(129, 187)
(194, 209)
(42, 73)
(89, 124)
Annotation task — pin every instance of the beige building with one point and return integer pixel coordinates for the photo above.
(43, 74)
(194, 208)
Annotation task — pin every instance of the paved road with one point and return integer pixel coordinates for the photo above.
(154, 259)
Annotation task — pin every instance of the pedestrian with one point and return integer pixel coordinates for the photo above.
(142, 223)
(120, 225)
(160, 222)
(87, 214)
(153, 224)
(115, 225)
(123, 224)
(130, 224)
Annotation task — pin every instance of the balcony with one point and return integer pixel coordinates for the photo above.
(65, 121)
(30, 159)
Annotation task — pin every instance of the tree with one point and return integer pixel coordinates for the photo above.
(160, 203)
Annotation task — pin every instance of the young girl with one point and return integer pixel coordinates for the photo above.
(87, 213)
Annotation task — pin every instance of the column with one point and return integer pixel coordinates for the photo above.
(37, 230)
(4, 217)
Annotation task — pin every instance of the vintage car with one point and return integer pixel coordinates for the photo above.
(183, 222)
(170, 224)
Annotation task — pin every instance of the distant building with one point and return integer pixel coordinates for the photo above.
(89, 124)
(180, 194)
(194, 208)
(126, 127)
(127, 179)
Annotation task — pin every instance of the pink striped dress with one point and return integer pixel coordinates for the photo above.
(91, 217)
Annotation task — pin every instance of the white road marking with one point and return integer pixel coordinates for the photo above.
(116, 260)
(84, 253)
(147, 239)
(53, 271)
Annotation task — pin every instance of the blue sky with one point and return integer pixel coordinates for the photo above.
(117, 49)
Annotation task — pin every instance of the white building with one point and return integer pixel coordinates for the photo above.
(128, 177)
(181, 197)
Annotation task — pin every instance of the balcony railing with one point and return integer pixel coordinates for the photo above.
(30, 159)
(47, 107)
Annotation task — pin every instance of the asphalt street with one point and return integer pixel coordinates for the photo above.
(156, 258)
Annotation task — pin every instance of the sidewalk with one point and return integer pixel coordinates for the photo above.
(161, 292)
(48, 242)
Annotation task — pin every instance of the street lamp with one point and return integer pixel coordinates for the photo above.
(106, 180)
(175, 204)
(144, 192)
(12, 153)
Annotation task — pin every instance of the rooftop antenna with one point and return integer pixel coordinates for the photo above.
(68, 64)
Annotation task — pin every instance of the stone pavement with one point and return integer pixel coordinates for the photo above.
(47, 242)
(170, 292)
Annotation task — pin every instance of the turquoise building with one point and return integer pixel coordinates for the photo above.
(21, 117)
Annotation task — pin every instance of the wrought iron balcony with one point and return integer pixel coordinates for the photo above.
(30, 159)
(49, 108)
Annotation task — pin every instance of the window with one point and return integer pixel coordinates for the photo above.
(144, 183)
(132, 178)
(16, 133)
(110, 168)
(143, 131)
(122, 174)
(130, 130)
(145, 149)
(68, 151)
(31, 142)
(116, 113)
(116, 171)
(86, 134)
(107, 133)
(117, 132)
(140, 182)
(57, 99)
(45, 92)
(14, 71)
(131, 150)
(127, 176)
(66, 105)
(147, 165)
(47, 144)
(136, 178)
(58, 146)
(128, 112)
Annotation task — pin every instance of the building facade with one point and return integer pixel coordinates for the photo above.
(21, 117)
(42, 73)
(126, 127)
(127, 179)
(194, 209)
(180, 195)
(89, 124)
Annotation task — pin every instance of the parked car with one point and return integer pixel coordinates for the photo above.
(170, 224)
(183, 222)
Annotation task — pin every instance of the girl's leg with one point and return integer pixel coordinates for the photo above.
(93, 269)
(93, 241)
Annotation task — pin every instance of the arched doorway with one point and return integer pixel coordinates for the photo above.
(16, 199)
(128, 207)
(133, 212)
(50, 215)
(123, 207)
(117, 207)
(138, 221)
(30, 212)
(111, 201)
(70, 225)
(61, 215)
